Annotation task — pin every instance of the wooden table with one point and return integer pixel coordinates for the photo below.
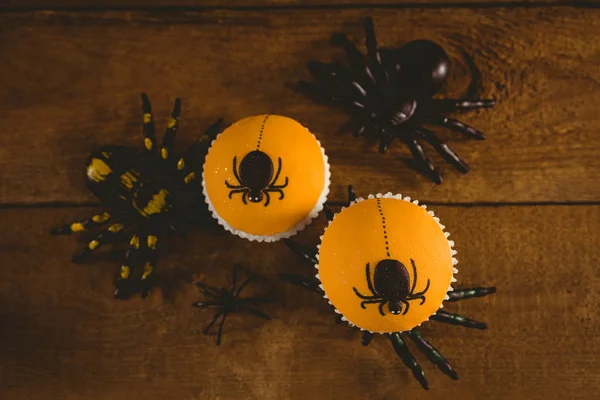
(526, 219)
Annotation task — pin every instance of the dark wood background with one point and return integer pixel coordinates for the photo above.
(526, 219)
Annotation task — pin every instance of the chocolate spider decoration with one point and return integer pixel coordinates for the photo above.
(389, 94)
(145, 193)
(398, 339)
(228, 302)
(391, 286)
(255, 178)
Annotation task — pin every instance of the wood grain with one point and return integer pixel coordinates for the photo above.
(64, 337)
(71, 81)
(244, 4)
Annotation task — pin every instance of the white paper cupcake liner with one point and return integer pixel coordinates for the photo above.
(283, 235)
(389, 195)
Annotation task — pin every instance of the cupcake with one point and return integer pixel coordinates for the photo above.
(265, 178)
(375, 269)
(386, 266)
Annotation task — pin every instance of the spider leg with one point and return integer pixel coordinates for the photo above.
(149, 128)
(308, 253)
(233, 278)
(299, 280)
(336, 80)
(456, 126)
(369, 282)
(245, 196)
(381, 309)
(207, 329)
(268, 196)
(422, 292)
(272, 184)
(421, 159)
(282, 186)
(213, 130)
(414, 268)
(171, 131)
(253, 311)
(367, 337)
(355, 58)
(359, 129)
(406, 307)
(150, 264)
(207, 290)
(374, 69)
(442, 148)
(319, 91)
(200, 304)
(234, 191)
(386, 140)
(221, 327)
(351, 194)
(281, 194)
(463, 294)
(448, 105)
(102, 238)
(432, 354)
(402, 351)
(201, 143)
(375, 301)
(455, 319)
(237, 176)
(362, 296)
(124, 286)
(242, 286)
(85, 225)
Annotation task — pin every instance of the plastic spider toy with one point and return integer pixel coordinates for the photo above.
(228, 302)
(389, 95)
(386, 266)
(146, 193)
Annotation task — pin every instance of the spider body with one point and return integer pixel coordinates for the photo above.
(227, 302)
(391, 285)
(389, 94)
(146, 193)
(255, 178)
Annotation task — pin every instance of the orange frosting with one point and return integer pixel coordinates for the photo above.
(374, 230)
(303, 164)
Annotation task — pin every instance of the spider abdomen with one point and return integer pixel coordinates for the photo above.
(150, 200)
(256, 170)
(111, 173)
(391, 280)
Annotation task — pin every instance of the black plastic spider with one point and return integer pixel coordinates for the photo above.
(389, 94)
(146, 193)
(397, 338)
(228, 302)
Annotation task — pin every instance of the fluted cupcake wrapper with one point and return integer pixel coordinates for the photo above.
(389, 195)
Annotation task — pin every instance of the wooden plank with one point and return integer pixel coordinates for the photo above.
(72, 82)
(245, 4)
(64, 336)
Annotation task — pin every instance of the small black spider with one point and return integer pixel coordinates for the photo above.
(390, 96)
(228, 302)
(146, 193)
(254, 178)
(392, 287)
(398, 342)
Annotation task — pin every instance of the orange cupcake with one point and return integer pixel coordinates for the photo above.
(265, 177)
(375, 269)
